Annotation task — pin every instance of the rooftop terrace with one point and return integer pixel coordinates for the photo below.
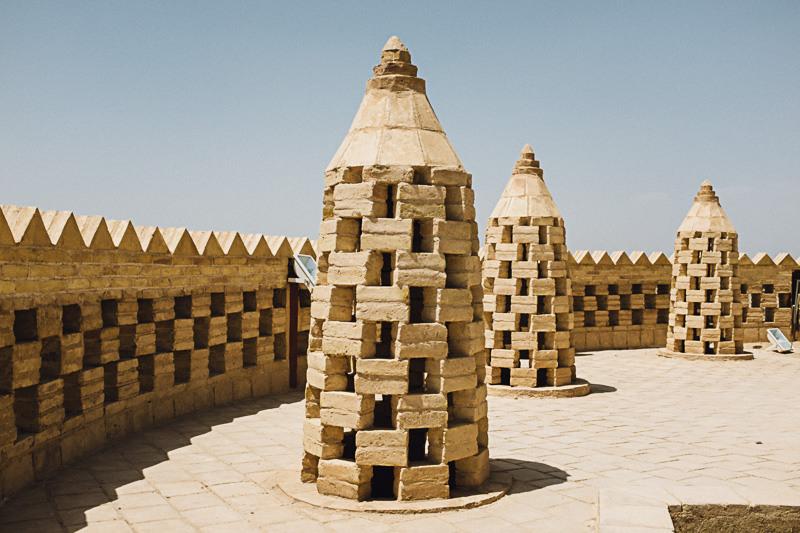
(655, 432)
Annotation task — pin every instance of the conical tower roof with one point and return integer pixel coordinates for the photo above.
(395, 124)
(525, 194)
(706, 213)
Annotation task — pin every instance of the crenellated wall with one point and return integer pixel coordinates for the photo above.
(107, 328)
(621, 300)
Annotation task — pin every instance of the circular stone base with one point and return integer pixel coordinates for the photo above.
(492, 490)
(746, 356)
(579, 387)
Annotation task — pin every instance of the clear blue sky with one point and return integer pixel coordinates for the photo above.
(223, 115)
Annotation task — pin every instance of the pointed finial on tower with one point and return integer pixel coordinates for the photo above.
(706, 213)
(707, 193)
(395, 60)
(394, 44)
(527, 163)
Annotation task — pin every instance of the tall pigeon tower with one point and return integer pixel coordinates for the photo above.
(396, 402)
(527, 302)
(705, 315)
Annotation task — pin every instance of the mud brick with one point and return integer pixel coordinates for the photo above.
(354, 268)
(325, 381)
(381, 376)
(121, 380)
(381, 304)
(452, 237)
(40, 407)
(343, 175)
(127, 312)
(559, 376)
(8, 428)
(201, 304)
(84, 391)
(234, 302)
(450, 177)
(389, 174)
(523, 377)
(250, 324)
(91, 316)
(279, 320)
(191, 365)
(386, 234)
(422, 482)
(421, 341)
(217, 330)
(101, 346)
(349, 338)
(223, 359)
(462, 271)
(165, 336)
(347, 409)
(344, 478)
(457, 441)
(382, 447)
(183, 334)
(51, 358)
(20, 365)
(449, 375)
(420, 270)
(470, 404)
(464, 338)
(157, 372)
(324, 442)
(460, 203)
(163, 309)
(414, 411)
(332, 303)
(71, 353)
(48, 321)
(356, 200)
(504, 358)
(508, 252)
(420, 201)
(145, 339)
(453, 305)
(342, 235)
(473, 471)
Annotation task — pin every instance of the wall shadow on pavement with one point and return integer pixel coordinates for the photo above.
(62, 502)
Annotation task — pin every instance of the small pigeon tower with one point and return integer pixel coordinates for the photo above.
(705, 316)
(527, 301)
(396, 402)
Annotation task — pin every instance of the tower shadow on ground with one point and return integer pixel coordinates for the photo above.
(528, 475)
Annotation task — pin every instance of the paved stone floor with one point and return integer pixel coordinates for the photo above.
(654, 431)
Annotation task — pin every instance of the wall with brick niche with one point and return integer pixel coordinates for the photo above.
(621, 300)
(107, 328)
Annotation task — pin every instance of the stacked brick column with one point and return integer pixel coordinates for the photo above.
(527, 302)
(705, 308)
(395, 401)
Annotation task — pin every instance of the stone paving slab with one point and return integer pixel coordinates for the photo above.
(654, 432)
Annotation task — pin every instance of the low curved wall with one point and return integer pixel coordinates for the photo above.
(107, 328)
